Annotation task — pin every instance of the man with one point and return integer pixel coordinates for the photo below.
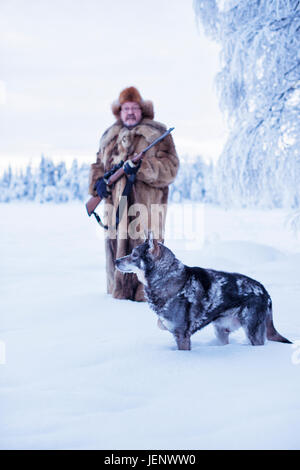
(145, 207)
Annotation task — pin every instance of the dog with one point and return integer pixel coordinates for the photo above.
(186, 299)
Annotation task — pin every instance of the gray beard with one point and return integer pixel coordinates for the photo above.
(131, 126)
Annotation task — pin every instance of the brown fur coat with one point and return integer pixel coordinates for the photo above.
(158, 169)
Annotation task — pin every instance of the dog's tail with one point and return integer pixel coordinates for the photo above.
(272, 333)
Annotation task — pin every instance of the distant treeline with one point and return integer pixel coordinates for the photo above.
(51, 182)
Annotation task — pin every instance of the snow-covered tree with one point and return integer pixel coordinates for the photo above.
(30, 184)
(75, 189)
(259, 89)
(193, 181)
(47, 183)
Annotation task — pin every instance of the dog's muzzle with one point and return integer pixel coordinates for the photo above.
(122, 265)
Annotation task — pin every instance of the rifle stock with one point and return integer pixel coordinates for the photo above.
(94, 201)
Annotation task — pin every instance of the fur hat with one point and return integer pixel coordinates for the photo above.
(132, 94)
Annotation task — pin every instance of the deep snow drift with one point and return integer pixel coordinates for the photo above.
(84, 371)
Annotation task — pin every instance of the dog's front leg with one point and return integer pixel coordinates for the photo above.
(183, 342)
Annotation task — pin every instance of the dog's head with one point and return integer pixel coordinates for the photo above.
(143, 258)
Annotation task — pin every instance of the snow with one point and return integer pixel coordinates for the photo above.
(85, 371)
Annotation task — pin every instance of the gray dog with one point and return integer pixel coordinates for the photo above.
(188, 298)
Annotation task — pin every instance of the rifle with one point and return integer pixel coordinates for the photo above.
(117, 172)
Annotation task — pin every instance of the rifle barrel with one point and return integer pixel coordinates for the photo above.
(158, 139)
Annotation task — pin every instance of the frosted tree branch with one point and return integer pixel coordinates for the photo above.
(259, 92)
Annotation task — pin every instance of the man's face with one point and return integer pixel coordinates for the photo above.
(131, 113)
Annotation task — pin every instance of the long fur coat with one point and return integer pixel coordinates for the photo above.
(147, 202)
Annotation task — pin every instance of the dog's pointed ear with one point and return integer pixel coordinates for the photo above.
(153, 245)
(149, 239)
(148, 236)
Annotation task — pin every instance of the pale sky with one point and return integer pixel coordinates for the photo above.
(63, 62)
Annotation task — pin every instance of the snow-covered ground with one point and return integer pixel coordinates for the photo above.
(81, 370)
